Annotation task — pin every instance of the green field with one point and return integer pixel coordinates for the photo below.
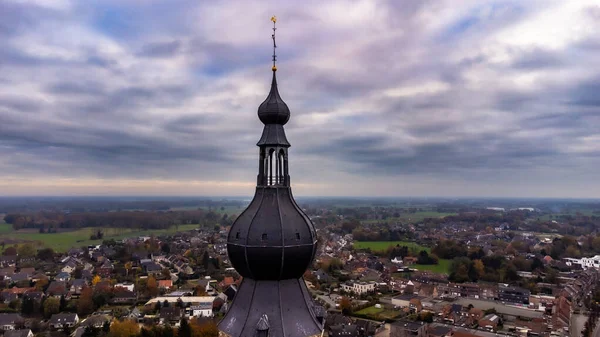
(63, 241)
(442, 267)
(378, 313)
(412, 217)
(383, 245)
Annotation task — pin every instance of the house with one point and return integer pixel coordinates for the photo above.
(125, 286)
(165, 284)
(77, 286)
(490, 322)
(18, 277)
(8, 260)
(343, 330)
(69, 267)
(358, 287)
(57, 289)
(561, 313)
(105, 269)
(230, 292)
(439, 331)
(59, 321)
(63, 277)
(152, 268)
(8, 296)
(407, 328)
(204, 285)
(404, 300)
(202, 310)
(19, 333)
(510, 294)
(36, 296)
(136, 315)
(409, 260)
(124, 297)
(9, 321)
(96, 321)
(474, 315)
(170, 315)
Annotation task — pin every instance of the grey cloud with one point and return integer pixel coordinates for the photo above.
(161, 49)
(97, 115)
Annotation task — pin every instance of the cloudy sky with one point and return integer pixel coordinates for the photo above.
(388, 98)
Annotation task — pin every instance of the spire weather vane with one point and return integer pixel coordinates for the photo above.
(274, 20)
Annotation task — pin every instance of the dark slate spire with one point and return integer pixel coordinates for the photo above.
(272, 243)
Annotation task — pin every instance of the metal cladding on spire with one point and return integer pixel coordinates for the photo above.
(273, 110)
(272, 243)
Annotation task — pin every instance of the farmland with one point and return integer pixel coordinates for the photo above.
(383, 245)
(65, 240)
(415, 217)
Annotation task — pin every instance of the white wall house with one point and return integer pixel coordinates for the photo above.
(202, 310)
(358, 287)
(584, 262)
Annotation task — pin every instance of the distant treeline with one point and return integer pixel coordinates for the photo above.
(105, 204)
(51, 221)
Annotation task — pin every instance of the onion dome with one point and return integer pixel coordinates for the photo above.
(274, 110)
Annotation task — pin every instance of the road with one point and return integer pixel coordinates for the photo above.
(577, 323)
(328, 300)
(501, 308)
(471, 331)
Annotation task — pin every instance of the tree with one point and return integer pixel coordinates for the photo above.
(346, 305)
(204, 329)
(128, 266)
(41, 284)
(51, 307)
(152, 286)
(96, 280)
(124, 328)
(27, 250)
(85, 305)
(45, 254)
(27, 306)
(184, 329)
(62, 303)
(10, 251)
(479, 268)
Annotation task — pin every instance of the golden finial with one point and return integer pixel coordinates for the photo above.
(274, 20)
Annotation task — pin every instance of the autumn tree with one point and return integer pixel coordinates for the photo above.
(128, 266)
(152, 286)
(85, 305)
(41, 284)
(184, 329)
(204, 329)
(10, 251)
(346, 305)
(96, 280)
(51, 307)
(479, 268)
(124, 328)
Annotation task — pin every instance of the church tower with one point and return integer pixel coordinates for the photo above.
(272, 243)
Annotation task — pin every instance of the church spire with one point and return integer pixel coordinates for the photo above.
(272, 242)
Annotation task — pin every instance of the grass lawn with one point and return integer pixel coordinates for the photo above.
(442, 267)
(383, 245)
(63, 241)
(378, 313)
